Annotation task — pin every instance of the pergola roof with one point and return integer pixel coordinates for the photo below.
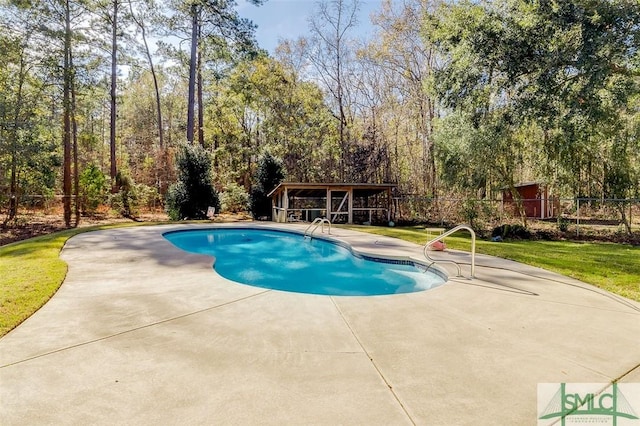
(302, 189)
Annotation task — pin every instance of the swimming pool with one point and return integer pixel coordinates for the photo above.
(287, 261)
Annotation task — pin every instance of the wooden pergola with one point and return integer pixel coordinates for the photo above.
(338, 202)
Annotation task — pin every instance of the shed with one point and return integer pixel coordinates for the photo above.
(338, 202)
(535, 199)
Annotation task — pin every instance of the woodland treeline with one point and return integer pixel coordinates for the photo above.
(447, 98)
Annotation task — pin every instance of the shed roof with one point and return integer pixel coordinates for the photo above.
(307, 189)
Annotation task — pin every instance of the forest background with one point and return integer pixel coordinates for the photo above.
(447, 99)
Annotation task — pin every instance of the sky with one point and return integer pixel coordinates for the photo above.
(288, 19)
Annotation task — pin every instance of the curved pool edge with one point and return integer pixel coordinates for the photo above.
(345, 241)
(377, 257)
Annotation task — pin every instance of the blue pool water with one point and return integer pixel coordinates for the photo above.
(287, 261)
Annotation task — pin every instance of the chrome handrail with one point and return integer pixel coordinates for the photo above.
(446, 234)
(318, 221)
(315, 221)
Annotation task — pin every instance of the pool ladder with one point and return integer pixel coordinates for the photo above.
(319, 221)
(425, 250)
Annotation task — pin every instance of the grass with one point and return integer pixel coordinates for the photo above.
(612, 267)
(31, 274)
(32, 270)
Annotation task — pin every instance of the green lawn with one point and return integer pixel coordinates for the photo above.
(613, 267)
(32, 270)
(31, 274)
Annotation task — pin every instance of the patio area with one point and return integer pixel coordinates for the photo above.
(141, 332)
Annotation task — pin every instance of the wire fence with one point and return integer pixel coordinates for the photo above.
(570, 215)
(576, 216)
(29, 204)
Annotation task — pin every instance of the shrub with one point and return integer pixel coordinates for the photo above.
(147, 196)
(563, 224)
(269, 174)
(234, 199)
(125, 201)
(511, 231)
(193, 193)
(176, 197)
(470, 211)
(93, 188)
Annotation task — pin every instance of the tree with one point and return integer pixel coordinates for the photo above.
(67, 112)
(269, 174)
(93, 188)
(330, 55)
(140, 17)
(55, 38)
(193, 193)
(27, 161)
(261, 106)
(568, 68)
(404, 61)
(218, 20)
(114, 85)
(11, 111)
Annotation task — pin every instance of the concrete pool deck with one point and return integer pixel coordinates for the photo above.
(141, 332)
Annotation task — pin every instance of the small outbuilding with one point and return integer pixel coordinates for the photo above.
(535, 200)
(338, 202)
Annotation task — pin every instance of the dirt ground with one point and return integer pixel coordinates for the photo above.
(35, 223)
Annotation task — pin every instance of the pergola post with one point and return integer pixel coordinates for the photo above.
(274, 211)
(285, 204)
(328, 203)
(389, 205)
(350, 204)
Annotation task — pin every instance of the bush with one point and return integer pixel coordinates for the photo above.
(176, 197)
(125, 201)
(259, 204)
(511, 231)
(193, 193)
(93, 188)
(470, 211)
(234, 199)
(147, 196)
(269, 174)
(563, 224)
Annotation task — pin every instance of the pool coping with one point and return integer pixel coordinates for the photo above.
(362, 254)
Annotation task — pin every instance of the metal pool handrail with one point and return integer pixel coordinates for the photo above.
(446, 234)
(317, 222)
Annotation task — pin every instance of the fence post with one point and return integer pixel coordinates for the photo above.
(577, 217)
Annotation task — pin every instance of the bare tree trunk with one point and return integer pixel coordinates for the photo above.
(114, 77)
(160, 156)
(152, 68)
(74, 129)
(66, 137)
(200, 103)
(338, 17)
(429, 154)
(192, 73)
(622, 208)
(13, 189)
